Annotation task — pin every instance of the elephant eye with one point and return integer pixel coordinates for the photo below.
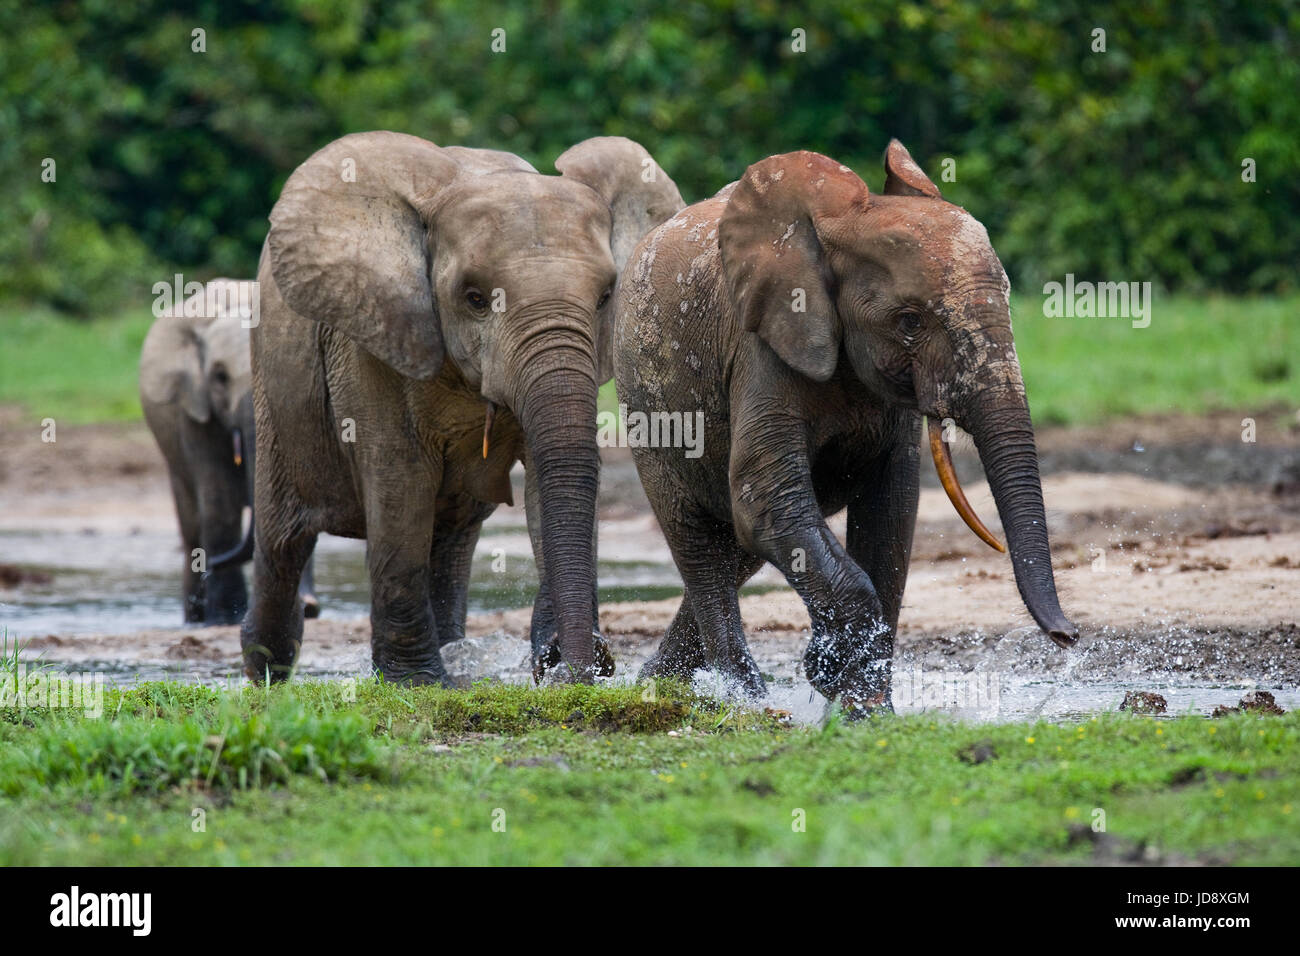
(909, 323)
(604, 297)
(475, 299)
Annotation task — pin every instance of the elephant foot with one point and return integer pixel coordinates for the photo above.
(676, 659)
(671, 666)
(260, 664)
(737, 677)
(424, 677)
(861, 689)
(853, 663)
(411, 669)
(854, 709)
(736, 681)
(549, 659)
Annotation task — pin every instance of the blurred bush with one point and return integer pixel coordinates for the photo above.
(1118, 165)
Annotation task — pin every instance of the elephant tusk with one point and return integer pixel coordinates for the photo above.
(238, 441)
(948, 478)
(487, 426)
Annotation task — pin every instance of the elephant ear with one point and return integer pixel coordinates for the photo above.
(903, 177)
(774, 257)
(640, 196)
(171, 367)
(349, 244)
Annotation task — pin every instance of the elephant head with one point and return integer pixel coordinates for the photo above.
(422, 255)
(197, 357)
(907, 289)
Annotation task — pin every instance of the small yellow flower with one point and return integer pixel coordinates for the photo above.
(136, 839)
(498, 760)
(1160, 731)
(683, 764)
(1259, 794)
(1213, 729)
(1286, 808)
(1218, 792)
(1071, 813)
(667, 778)
(882, 742)
(1029, 740)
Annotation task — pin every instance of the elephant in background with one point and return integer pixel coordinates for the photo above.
(814, 323)
(196, 392)
(429, 317)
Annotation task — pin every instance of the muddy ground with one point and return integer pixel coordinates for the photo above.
(1177, 551)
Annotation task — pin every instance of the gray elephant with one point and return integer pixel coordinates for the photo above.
(196, 392)
(429, 317)
(813, 324)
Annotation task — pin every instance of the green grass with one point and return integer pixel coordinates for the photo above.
(74, 372)
(370, 773)
(1198, 354)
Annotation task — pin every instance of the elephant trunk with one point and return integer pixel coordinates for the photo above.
(557, 409)
(998, 420)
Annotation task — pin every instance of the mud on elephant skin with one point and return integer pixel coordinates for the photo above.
(814, 323)
(196, 392)
(429, 317)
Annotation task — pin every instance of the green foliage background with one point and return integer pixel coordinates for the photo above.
(1123, 165)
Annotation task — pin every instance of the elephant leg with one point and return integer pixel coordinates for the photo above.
(403, 635)
(225, 598)
(187, 514)
(711, 564)
(307, 590)
(850, 655)
(681, 652)
(272, 633)
(456, 531)
(542, 629)
(881, 521)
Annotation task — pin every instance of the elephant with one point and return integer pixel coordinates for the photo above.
(813, 324)
(196, 393)
(429, 317)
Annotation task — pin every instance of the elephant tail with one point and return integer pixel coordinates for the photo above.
(235, 556)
